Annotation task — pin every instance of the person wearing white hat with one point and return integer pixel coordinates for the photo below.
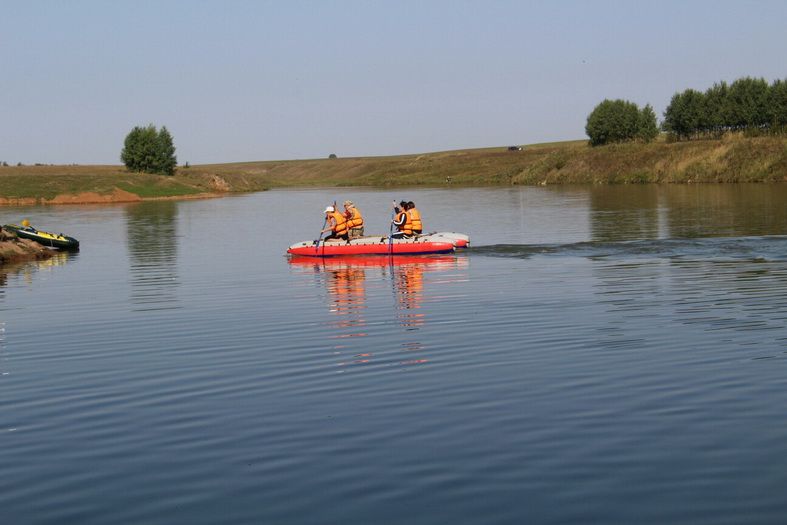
(336, 224)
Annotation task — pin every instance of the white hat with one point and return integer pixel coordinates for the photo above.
(328, 209)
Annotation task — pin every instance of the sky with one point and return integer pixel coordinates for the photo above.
(238, 81)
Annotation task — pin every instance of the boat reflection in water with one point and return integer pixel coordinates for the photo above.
(357, 289)
(28, 269)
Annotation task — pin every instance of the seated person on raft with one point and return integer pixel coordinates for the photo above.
(415, 218)
(354, 220)
(337, 225)
(402, 221)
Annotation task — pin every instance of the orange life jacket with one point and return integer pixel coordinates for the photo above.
(407, 226)
(415, 218)
(340, 226)
(355, 220)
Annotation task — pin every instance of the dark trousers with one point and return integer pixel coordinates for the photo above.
(344, 237)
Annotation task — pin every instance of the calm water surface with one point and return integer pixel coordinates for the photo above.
(600, 355)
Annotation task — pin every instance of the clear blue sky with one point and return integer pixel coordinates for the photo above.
(256, 80)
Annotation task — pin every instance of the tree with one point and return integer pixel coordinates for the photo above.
(716, 104)
(685, 114)
(777, 104)
(149, 151)
(166, 152)
(613, 121)
(332, 156)
(748, 104)
(647, 128)
(748, 99)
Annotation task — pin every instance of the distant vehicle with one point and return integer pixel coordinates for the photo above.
(514, 148)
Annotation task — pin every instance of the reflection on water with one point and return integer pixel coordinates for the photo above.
(630, 215)
(3, 358)
(697, 300)
(565, 353)
(686, 211)
(153, 253)
(348, 280)
(28, 269)
(346, 290)
(409, 287)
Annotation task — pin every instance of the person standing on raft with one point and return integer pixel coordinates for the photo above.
(415, 218)
(402, 221)
(337, 225)
(354, 220)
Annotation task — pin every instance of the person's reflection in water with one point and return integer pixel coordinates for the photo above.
(409, 286)
(347, 292)
(408, 282)
(346, 287)
(345, 280)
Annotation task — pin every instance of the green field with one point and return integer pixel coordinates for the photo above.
(733, 158)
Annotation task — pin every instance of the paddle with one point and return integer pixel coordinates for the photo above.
(390, 230)
(317, 242)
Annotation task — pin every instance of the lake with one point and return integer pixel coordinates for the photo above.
(599, 355)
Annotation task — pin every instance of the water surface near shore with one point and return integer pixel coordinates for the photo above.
(601, 354)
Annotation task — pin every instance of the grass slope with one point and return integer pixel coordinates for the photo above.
(731, 159)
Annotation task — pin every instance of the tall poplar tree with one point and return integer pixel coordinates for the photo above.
(166, 152)
(647, 127)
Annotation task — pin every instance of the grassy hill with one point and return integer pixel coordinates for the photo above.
(733, 158)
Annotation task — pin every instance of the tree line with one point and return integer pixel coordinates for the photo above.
(750, 105)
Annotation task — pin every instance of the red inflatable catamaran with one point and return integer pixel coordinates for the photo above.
(442, 242)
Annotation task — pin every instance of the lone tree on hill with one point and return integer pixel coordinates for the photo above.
(620, 121)
(149, 151)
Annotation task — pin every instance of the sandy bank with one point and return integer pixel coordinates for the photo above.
(14, 249)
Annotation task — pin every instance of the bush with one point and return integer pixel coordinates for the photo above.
(332, 156)
(149, 151)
